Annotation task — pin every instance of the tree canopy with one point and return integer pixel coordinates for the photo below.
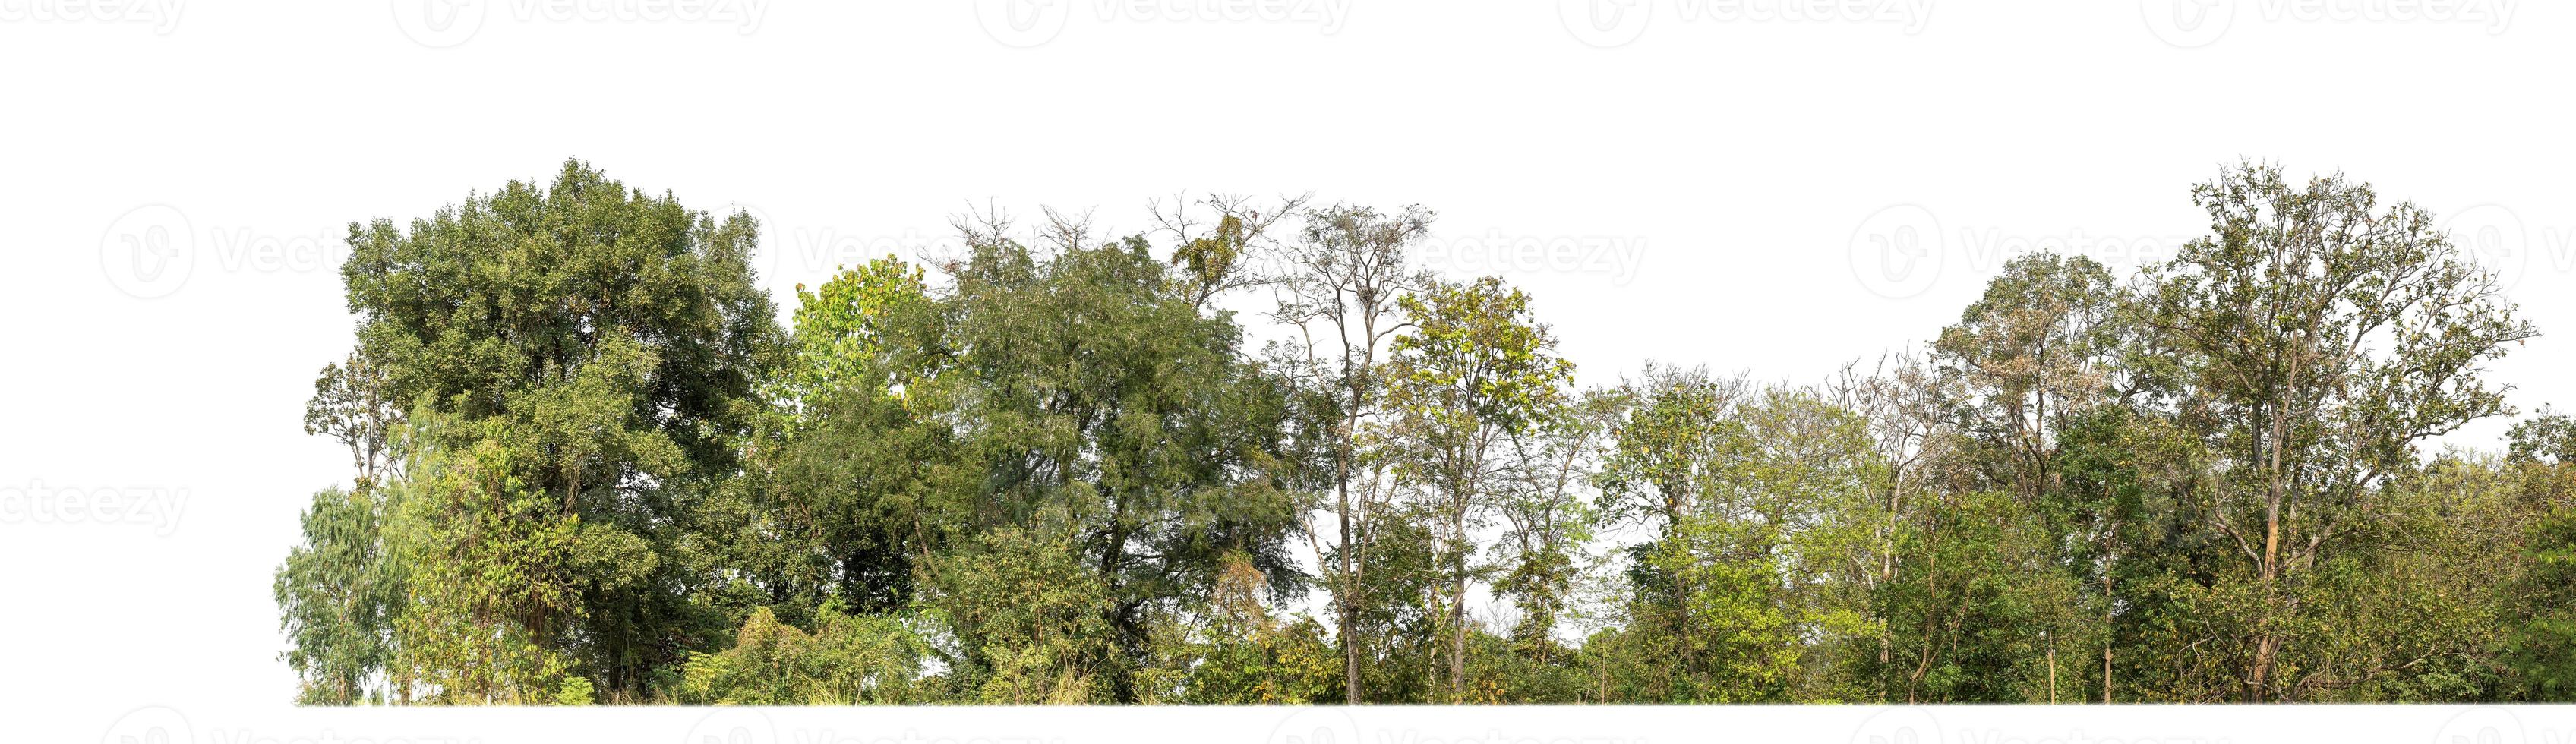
(593, 463)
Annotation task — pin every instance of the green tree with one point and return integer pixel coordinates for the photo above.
(487, 569)
(1668, 447)
(2038, 346)
(1236, 652)
(2125, 478)
(588, 466)
(2318, 340)
(1082, 383)
(847, 660)
(2539, 612)
(847, 333)
(1771, 512)
(2039, 354)
(841, 481)
(1473, 370)
(1550, 522)
(1980, 609)
(590, 347)
(334, 594)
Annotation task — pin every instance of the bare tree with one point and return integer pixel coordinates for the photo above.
(1218, 256)
(1901, 398)
(1337, 285)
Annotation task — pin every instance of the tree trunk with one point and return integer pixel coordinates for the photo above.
(2267, 644)
(1887, 575)
(2052, 669)
(2107, 634)
(1458, 611)
(1350, 584)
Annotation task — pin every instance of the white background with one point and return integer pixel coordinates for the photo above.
(175, 178)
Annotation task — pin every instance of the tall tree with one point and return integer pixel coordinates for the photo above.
(2040, 348)
(592, 344)
(2540, 613)
(1905, 401)
(334, 594)
(1102, 415)
(2319, 340)
(1474, 369)
(1667, 447)
(1339, 285)
(2039, 344)
(1550, 521)
(589, 468)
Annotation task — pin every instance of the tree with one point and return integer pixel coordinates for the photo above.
(840, 472)
(1338, 288)
(488, 572)
(2318, 340)
(351, 404)
(1905, 402)
(1082, 383)
(1977, 612)
(1766, 512)
(2038, 346)
(845, 333)
(1550, 522)
(2124, 478)
(2042, 348)
(1239, 653)
(1667, 444)
(334, 593)
(847, 660)
(1220, 260)
(2539, 606)
(589, 467)
(1667, 447)
(586, 342)
(1474, 369)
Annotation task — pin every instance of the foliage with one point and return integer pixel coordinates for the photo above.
(847, 660)
(591, 466)
(334, 594)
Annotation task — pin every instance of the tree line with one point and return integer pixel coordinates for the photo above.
(591, 465)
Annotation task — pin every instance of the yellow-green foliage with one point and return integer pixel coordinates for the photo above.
(847, 660)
